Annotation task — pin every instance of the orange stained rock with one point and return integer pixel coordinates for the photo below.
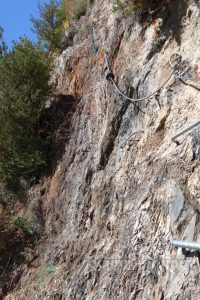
(54, 187)
(196, 71)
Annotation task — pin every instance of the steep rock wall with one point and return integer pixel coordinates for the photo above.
(112, 207)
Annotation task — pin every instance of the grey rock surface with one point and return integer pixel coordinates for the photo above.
(111, 211)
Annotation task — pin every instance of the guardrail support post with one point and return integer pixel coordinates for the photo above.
(183, 132)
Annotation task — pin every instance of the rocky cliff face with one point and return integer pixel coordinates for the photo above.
(114, 202)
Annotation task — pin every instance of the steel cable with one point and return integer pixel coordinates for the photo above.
(133, 100)
(110, 77)
(174, 61)
(187, 78)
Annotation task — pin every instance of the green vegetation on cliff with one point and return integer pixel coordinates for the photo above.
(54, 18)
(25, 73)
(130, 6)
(2, 43)
(24, 88)
(49, 27)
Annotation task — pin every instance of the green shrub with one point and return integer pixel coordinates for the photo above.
(5, 195)
(45, 271)
(49, 27)
(119, 6)
(24, 87)
(130, 7)
(22, 224)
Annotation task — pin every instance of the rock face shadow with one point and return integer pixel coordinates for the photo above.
(166, 18)
(56, 122)
(188, 253)
(178, 9)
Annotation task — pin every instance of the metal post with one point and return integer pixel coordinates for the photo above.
(183, 132)
(186, 245)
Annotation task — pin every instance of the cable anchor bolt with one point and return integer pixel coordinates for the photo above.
(110, 76)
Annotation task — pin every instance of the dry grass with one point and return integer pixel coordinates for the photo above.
(74, 9)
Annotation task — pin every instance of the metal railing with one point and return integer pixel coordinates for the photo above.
(185, 245)
(183, 132)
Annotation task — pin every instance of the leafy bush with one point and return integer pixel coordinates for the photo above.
(24, 87)
(130, 6)
(48, 270)
(22, 224)
(5, 195)
(49, 27)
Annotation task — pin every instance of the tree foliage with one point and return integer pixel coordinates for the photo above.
(24, 87)
(2, 43)
(130, 6)
(54, 18)
(49, 27)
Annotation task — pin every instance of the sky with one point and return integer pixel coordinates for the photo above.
(15, 18)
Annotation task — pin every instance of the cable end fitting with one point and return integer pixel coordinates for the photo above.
(110, 76)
